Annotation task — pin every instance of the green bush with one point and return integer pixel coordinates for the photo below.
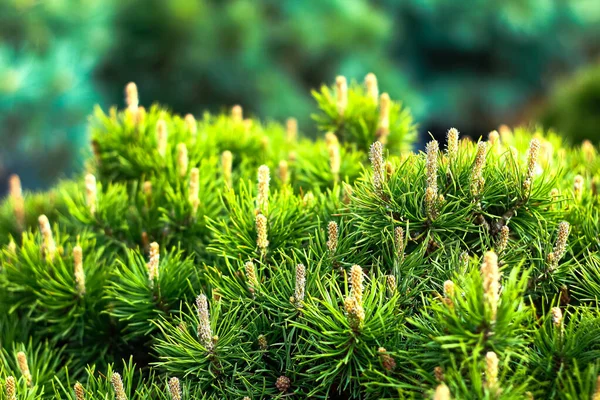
(224, 258)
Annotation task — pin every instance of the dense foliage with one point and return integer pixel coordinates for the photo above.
(225, 258)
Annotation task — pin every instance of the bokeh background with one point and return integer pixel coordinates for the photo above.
(472, 64)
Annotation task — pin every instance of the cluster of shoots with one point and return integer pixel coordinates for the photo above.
(560, 247)
(204, 330)
(491, 283)
(353, 304)
(372, 92)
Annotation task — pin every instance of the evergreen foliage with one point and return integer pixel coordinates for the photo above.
(225, 258)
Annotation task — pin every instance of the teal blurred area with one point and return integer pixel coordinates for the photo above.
(473, 64)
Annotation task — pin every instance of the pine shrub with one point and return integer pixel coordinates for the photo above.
(220, 257)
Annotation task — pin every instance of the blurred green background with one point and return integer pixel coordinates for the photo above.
(472, 64)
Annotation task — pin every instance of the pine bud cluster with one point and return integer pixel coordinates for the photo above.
(284, 172)
(332, 236)
(227, 166)
(262, 197)
(378, 166)
(24, 368)
(557, 316)
(399, 243)
(194, 190)
(503, 239)
(384, 118)
(153, 262)
(578, 183)
(333, 149)
(175, 388)
(78, 270)
(15, 192)
(342, 94)
(91, 195)
(291, 126)
(79, 391)
(353, 303)
(191, 125)
(48, 244)
(161, 137)
(491, 370)
(534, 149)
(182, 159)
(388, 362)
(261, 232)
(432, 198)
(300, 288)
(204, 330)
(372, 87)
(132, 100)
(117, 384)
(477, 180)
(251, 276)
(452, 144)
(560, 247)
(491, 282)
(237, 114)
